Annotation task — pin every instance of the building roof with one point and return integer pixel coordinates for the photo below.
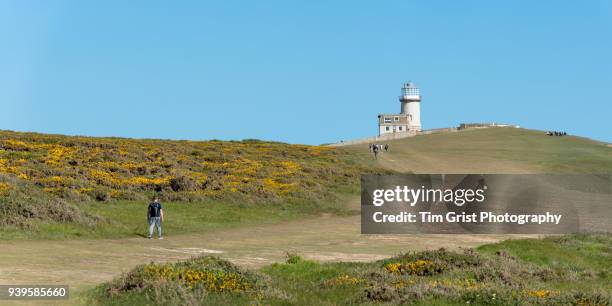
(389, 115)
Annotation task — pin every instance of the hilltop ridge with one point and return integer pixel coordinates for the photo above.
(491, 150)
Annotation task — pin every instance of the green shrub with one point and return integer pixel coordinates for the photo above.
(292, 258)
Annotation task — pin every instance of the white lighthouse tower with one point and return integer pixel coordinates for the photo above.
(408, 121)
(411, 105)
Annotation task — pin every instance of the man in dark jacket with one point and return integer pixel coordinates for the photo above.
(155, 216)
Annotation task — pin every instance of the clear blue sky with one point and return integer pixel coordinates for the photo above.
(301, 71)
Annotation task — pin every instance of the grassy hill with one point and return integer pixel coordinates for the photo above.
(492, 150)
(84, 168)
(64, 186)
(60, 187)
(46, 180)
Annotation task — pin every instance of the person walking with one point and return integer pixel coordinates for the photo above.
(375, 150)
(155, 217)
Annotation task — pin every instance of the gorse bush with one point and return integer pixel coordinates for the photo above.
(22, 206)
(494, 277)
(102, 169)
(499, 279)
(186, 280)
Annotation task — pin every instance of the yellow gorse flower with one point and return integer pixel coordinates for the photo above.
(393, 267)
(542, 293)
(417, 267)
(216, 281)
(4, 188)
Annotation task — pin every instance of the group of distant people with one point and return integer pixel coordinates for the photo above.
(555, 133)
(378, 148)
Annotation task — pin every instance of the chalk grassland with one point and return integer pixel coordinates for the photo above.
(81, 195)
(492, 150)
(562, 270)
(59, 187)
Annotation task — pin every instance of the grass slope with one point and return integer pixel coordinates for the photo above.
(491, 150)
(57, 186)
(119, 219)
(568, 270)
(87, 168)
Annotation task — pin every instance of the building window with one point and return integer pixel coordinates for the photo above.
(387, 120)
(386, 128)
(400, 128)
(396, 119)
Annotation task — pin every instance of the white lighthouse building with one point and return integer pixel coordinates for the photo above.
(409, 118)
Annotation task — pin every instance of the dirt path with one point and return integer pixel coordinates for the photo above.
(83, 263)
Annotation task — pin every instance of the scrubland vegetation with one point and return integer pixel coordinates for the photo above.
(42, 177)
(63, 187)
(514, 272)
(80, 168)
